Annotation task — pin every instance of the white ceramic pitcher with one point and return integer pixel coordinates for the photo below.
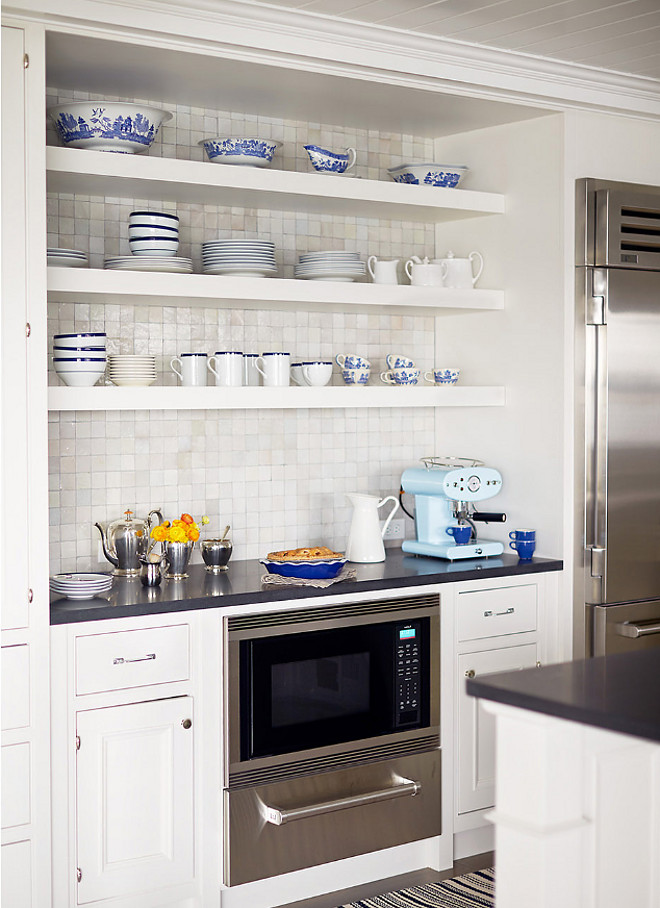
(459, 273)
(382, 272)
(365, 539)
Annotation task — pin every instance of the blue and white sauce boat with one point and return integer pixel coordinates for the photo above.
(248, 151)
(331, 161)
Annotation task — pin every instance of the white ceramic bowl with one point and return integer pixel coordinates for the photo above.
(142, 231)
(81, 364)
(153, 219)
(248, 151)
(153, 245)
(85, 338)
(108, 125)
(59, 350)
(446, 175)
(79, 379)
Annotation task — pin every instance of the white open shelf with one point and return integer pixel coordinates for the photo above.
(97, 173)
(87, 285)
(294, 397)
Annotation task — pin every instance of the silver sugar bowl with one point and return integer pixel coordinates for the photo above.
(216, 554)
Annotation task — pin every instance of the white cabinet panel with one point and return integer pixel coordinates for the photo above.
(134, 793)
(476, 727)
(496, 612)
(15, 785)
(16, 875)
(15, 686)
(154, 655)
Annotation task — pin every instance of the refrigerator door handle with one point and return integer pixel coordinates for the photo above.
(630, 629)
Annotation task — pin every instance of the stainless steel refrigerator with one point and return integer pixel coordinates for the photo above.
(618, 279)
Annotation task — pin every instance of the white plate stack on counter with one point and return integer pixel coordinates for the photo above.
(80, 585)
(331, 265)
(131, 370)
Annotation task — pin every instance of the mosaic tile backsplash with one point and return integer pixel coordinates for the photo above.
(278, 477)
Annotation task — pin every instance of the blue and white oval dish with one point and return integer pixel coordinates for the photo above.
(306, 570)
(248, 151)
(445, 175)
(117, 126)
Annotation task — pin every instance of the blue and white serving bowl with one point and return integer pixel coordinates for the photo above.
(307, 570)
(249, 151)
(445, 175)
(118, 126)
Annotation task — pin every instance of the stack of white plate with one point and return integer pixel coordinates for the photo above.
(240, 258)
(129, 369)
(80, 586)
(329, 266)
(175, 264)
(65, 258)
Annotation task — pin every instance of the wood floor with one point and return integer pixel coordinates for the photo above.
(342, 896)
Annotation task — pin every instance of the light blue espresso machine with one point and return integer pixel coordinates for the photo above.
(446, 490)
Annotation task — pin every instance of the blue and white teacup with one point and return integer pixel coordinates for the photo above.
(355, 376)
(462, 533)
(523, 535)
(397, 361)
(442, 376)
(352, 361)
(326, 161)
(400, 377)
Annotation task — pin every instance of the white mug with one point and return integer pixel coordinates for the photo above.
(382, 272)
(426, 274)
(460, 274)
(275, 369)
(251, 376)
(193, 368)
(227, 366)
(317, 373)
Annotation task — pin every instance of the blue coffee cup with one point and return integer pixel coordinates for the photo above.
(525, 548)
(461, 534)
(523, 535)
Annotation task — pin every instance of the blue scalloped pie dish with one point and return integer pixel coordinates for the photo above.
(306, 570)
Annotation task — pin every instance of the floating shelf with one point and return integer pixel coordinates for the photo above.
(88, 285)
(97, 173)
(212, 398)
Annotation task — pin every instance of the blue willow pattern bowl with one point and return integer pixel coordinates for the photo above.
(307, 570)
(250, 152)
(117, 126)
(446, 175)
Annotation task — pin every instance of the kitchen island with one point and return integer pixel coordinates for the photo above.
(578, 782)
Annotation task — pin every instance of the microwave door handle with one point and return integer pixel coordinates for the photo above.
(279, 817)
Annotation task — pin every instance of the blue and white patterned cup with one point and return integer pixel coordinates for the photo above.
(355, 376)
(352, 361)
(397, 361)
(400, 377)
(462, 534)
(442, 376)
(326, 161)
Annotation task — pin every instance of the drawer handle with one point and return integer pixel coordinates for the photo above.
(121, 661)
(279, 817)
(508, 611)
(630, 629)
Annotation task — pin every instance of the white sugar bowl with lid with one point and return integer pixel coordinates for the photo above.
(459, 272)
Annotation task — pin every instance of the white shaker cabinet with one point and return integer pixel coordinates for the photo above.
(134, 793)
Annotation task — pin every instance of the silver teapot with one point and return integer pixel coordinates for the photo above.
(125, 540)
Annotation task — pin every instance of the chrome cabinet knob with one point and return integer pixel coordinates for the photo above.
(470, 673)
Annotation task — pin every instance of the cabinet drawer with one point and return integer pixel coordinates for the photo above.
(114, 661)
(493, 613)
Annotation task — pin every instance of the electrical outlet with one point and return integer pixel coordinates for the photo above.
(396, 529)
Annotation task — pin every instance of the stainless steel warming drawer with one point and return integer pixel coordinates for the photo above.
(287, 825)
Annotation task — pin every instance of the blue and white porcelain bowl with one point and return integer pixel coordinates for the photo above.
(249, 151)
(308, 570)
(446, 175)
(355, 376)
(326, 161)
(153, 219)
(442, 376)
(154, 245)
(108, 125)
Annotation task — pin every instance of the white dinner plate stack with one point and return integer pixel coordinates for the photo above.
(174, 264)
(329, 266)
(66, 258)
(80, 586)
(127, 369)
(240, 258)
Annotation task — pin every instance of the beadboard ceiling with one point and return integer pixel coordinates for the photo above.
(619, 35)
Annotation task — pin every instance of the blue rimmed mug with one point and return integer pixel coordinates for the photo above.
(352, 361)
(462, 533)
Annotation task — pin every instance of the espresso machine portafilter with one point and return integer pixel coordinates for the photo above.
(446, 490)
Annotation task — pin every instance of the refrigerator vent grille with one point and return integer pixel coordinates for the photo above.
(627, 229)
(640, 230)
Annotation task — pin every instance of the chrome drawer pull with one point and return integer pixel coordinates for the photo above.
(508, 611)
(121, 661)
(629, 629)
(279, 817)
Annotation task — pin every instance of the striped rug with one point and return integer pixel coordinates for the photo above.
(473, 890)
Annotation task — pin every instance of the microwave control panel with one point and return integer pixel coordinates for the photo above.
(408, 674)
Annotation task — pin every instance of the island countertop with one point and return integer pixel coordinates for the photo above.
(241, 585)
(620, 692)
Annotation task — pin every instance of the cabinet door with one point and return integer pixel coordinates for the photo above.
(475, 759)
(16, 875)
(134, 791)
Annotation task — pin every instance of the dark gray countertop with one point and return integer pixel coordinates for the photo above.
(619, 692)
(241, 585)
